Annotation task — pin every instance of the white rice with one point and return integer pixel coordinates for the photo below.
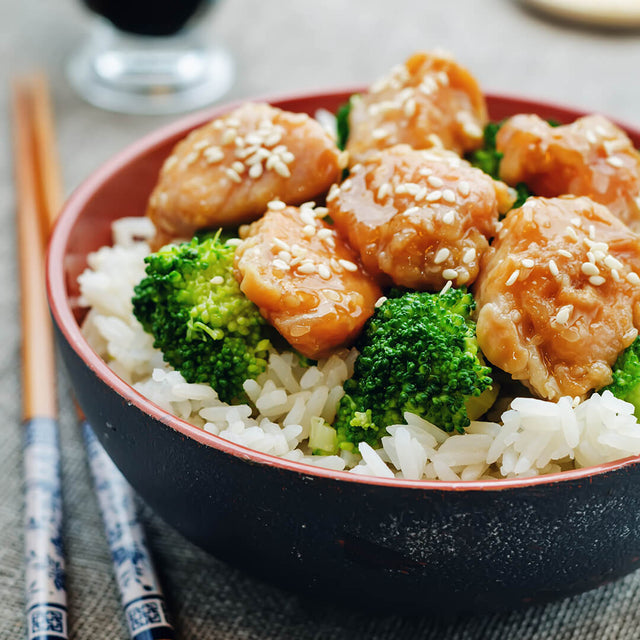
(533, 437)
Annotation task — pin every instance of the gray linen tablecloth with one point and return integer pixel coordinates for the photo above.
(280, 46)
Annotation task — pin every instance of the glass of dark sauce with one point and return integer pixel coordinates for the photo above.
(150, 57)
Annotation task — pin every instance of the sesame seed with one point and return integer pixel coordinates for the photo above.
(384, 190)
(228, 136)
(324, 233)
(409, 107)
(591, 256)
(425, 171)
(589, 269)
(435, 182)
(449, 196)
(285, 256)
(379, 133)
(346, 185)
(446, 287)
(233, 175)
(592, 232)
(563, 315)
(615, 275)
(217, 280)
(412, 210)
(472, 129)
(309, 230)
(333, 193)
(273, 139)
(256, 156)
(565, 253)
(255, 171)
(469, 255)
(442, 255)
(553, 267)
(281, 169)
(238, 167)
(433, 196)
(307, 268)
(463, 188)
(380, 301)
(463, 276)
(571, 232)
(306, 215)
(576, 221)
(190, 158)
(513, 277)
(280, 264)
(348, 265)
(596, 281)
(633, 278)
(528, 263)
(324, 272)
(449, 217)
(277, 241)
(615, 161)
(442, 78)
(449, 274)
(276, 205)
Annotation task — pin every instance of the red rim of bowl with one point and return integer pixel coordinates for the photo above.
(65, 320)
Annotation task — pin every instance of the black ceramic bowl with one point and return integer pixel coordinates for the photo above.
(423, 546)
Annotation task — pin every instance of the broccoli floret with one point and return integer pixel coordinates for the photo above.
(626, 376)
(342, 124)
(191, 303)
(488, 157)
(418, 353)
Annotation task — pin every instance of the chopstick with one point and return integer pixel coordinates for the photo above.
(40, 197)
(46, 599)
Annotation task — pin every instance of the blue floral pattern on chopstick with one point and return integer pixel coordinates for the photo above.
(140, 591)
(46, 598)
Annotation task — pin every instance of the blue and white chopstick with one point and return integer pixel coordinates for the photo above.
(141, 596)
(46, 600)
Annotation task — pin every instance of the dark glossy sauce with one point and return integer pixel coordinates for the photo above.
(148, 17)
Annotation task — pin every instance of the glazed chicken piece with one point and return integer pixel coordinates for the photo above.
(430, 101)
(306, 280)
(590, 157)
(225, 172)
(559, 295)
(418, 218)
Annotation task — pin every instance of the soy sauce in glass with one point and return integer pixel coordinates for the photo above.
(150, 57)
(148, 17)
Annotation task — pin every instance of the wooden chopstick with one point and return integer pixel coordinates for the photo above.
(46, 599)
(38, 373)
(142, 598)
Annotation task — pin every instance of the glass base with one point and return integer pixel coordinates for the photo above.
(147, 74)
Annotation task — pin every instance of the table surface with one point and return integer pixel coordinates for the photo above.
(280, 46)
